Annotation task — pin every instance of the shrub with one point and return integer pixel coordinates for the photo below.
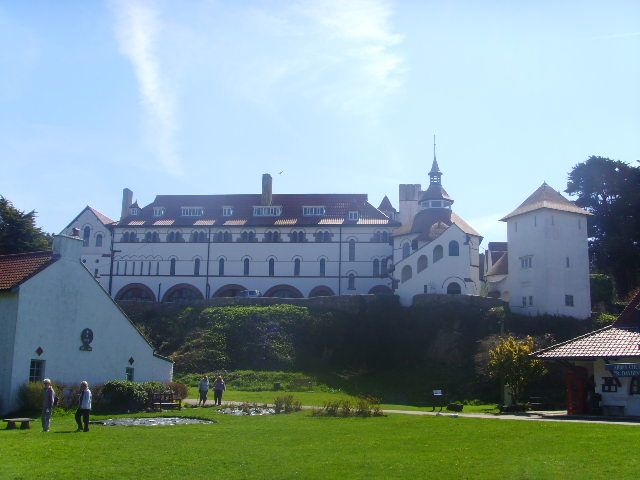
(345, 408)
(362, 407)
(122, 395)
(180, 390)
(604, 319)
(31, 396)
(286, 404)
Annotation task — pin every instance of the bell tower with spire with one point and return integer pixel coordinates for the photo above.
(435, 196)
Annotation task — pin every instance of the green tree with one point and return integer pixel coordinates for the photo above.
(610, 189)
(511, 360)
(18, 231)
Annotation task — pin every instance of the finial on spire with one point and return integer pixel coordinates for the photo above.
(434, 147)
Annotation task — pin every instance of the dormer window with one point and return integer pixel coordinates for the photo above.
(227, 211)
(192, 211)
(353, 215)
(158, 211)
(313, 211)
(133, 211)
(267, 211)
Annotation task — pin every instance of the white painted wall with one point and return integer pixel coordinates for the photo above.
(8, 313)
(54, 307)
(550, 237)
(621, 398)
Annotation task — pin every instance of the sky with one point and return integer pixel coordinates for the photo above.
(204, 96)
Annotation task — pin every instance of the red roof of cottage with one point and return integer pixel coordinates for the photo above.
(546, 197)
(622, 339)
(337, 208)
(15, 269)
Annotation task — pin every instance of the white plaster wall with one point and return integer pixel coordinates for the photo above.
(550, 236)
(437, 276)
(631, 403)
(8, 316)
(54, 307)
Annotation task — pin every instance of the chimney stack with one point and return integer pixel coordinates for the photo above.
(266, 199)
(127, 200)
(75, 232)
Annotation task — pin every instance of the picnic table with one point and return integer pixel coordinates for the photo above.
(24, 423)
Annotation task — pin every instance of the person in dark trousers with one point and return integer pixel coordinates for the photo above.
(218, 388)
(84, 407)
(203, 389)
(48, 403)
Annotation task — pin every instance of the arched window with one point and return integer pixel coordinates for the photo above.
(202, 237)
(351, 282)
(125, 237)
(125, 267)
(221, 267)
(406, 273)
(252, 236)
(454, 248)
(268, 237)
(438, 252)
(296, 267)
(406, 249)
(323, 267)
(147, 237)
(155, 237)
(227, 237)
(384, 269)
(244, 236)
(196, 267)
(133, 237)
(454, 289)
(246, 266)
(327, 236)
(376, 268)
(276, 236)
(171, 237)
(172, 267)
(423, 262)
(86, 234)
(385, 237)
(301, 237)
(179, 237)
(414, 245)
(272, 267)
(194, 237)
(99, 240)
(352, 250)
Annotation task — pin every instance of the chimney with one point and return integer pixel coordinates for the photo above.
(127, 200)
(66, 247)
(75, 232)
(266, 190)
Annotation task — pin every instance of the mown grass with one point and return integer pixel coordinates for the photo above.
(302, 446)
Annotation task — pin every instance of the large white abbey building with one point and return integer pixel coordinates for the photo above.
(190, 247)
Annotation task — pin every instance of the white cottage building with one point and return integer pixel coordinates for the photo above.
(57, 321)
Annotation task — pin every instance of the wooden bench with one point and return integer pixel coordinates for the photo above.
(301, 384)
(24, 423)
(164, 401)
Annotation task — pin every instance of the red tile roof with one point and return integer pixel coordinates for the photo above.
(546, 197)
(15, 269)
(337, 208)
(101, 216)
(622, 339)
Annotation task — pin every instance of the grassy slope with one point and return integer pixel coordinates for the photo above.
(301, 446)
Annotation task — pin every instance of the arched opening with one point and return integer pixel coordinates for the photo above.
(99, 240)
(352, 250)
(414, 245)
(454, 248)
(406, 273)
(272, 266)
(196, 267)
(380, 290)
(454, 288)
(351, 284)
(376, 268)
(182, 293)
(221, 267)
(284, 291)
(246, 266)
(385, 237)
(323, 267)
(438, 253)
(406, 249)
(135, 292)
(321, 291)
(423, 262)
(172, 267)
(86, 234)
(296, 267)
(230, 290)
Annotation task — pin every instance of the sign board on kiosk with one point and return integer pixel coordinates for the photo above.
(624, 369)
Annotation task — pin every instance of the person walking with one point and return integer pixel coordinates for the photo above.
(218, 388)
(203, 388)
(48, 403)
(84, 407)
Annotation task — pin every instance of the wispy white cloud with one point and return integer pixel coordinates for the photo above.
(137, 29)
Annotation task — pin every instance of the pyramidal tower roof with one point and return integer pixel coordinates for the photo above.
(385, 205)
(545, 197)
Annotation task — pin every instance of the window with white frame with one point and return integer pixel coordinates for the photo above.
(353, 215)
(313, 211)
(192, 211)
(267, 211)
(133, 211)
(158, 211)
(526, 261)
(568, 300)
(36, 371)
(227, 211)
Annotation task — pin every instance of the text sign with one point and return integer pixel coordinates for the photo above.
(624, 369)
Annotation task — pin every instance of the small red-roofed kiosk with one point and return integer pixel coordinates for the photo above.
(603, 366)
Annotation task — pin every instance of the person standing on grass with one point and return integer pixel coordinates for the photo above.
(48, 402)
(218, 388)
(203, 388)
(84, 407)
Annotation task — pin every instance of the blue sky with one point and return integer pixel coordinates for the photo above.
(202, 97)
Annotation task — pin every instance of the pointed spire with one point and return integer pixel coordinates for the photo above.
(435, 172)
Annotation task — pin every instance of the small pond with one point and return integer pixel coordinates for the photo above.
(150, 421)
(247, 410)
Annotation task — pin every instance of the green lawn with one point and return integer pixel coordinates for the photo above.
(302, 446)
